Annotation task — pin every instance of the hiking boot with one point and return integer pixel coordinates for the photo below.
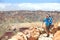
(47, 35)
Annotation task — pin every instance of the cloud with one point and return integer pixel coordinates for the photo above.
(4, 6)
(30, 6)
(41, 6)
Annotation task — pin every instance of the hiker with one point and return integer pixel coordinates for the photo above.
(48, 23)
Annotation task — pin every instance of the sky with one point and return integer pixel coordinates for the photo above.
(30, 1)
(48, 5)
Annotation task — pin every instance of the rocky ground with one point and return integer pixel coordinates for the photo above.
(43, 37)
(33, 29)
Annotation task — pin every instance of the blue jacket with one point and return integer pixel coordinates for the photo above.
(46, 20)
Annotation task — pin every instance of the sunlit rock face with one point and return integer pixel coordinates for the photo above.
(56, 27)
(57, 35)
(34, 33)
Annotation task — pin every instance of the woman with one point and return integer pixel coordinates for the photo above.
(47, 23)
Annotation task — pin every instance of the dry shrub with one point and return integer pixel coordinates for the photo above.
(6, 35)
(19, 36)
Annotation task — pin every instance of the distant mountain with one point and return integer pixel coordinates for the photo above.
(27, 16)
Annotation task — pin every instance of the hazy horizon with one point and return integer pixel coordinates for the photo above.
(47, 5)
